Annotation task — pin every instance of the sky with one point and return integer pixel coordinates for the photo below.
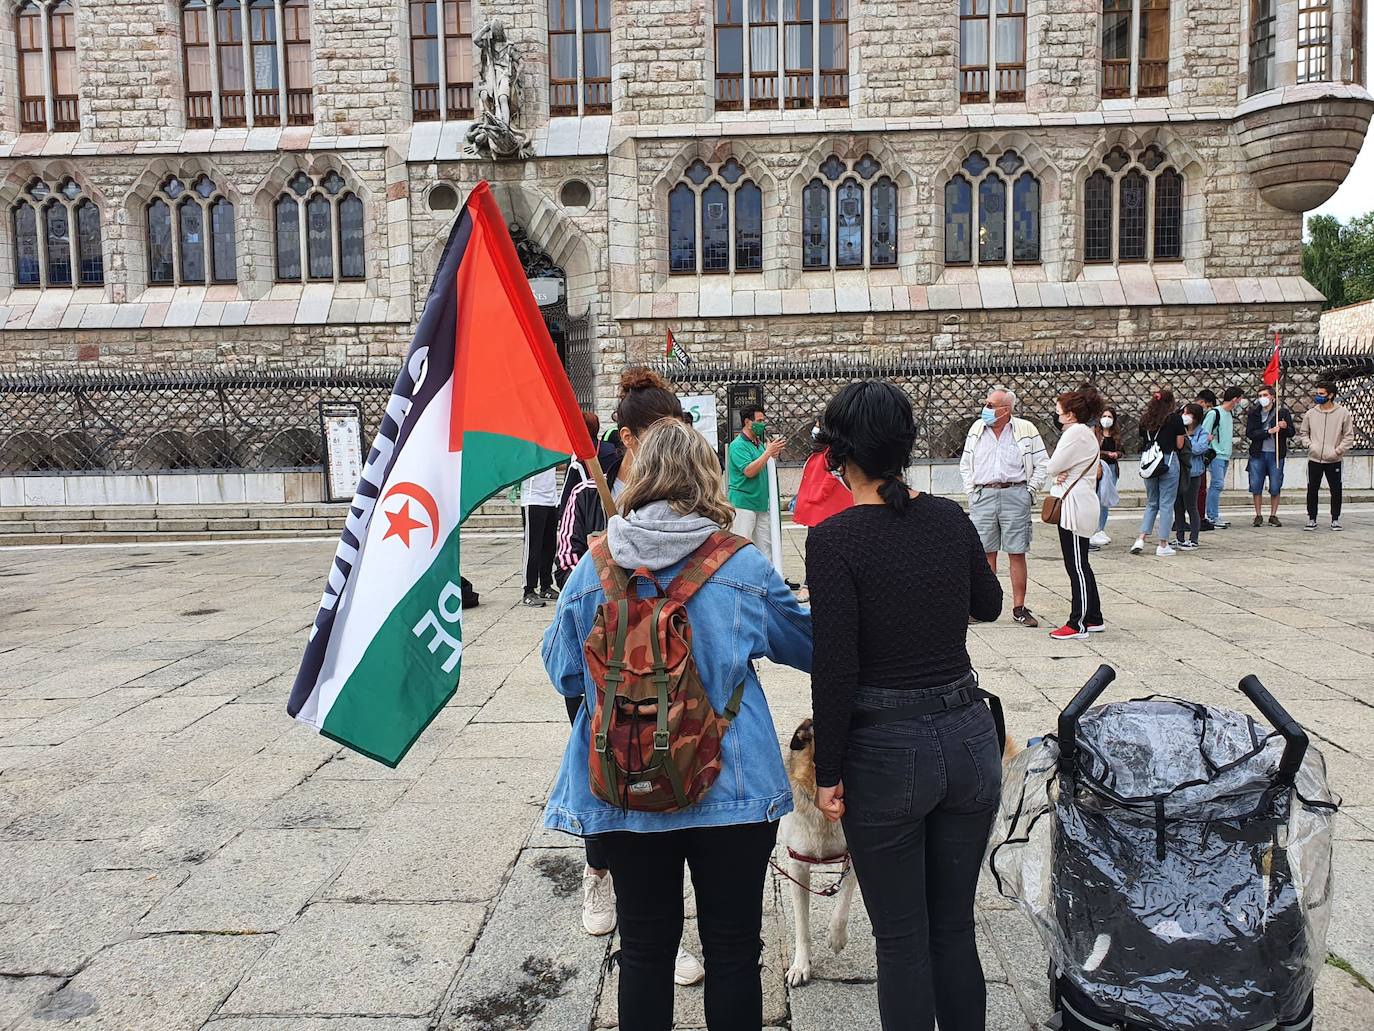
(1356, 195)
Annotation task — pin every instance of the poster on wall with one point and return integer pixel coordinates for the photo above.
(702, 409)
(341, 432)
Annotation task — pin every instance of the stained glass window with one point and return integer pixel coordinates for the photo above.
(698, 172)
(958, 221)
(975, 164)
(351, 265)
(682, 230)
(160, 267)
(816, 225)
(715, 229)
(867, 167)
(1168, 215)
(223, 247)
(731, 171)
(849, 225)
(58, 227)
(288, 239)
(1025, 219)
(91, 262)
(26, 245)
(319, 237)
(748, 228)
(1097, 217)
(992, 220)
(832, 168)
(191, 217)
(1130, 244)
(882, 231)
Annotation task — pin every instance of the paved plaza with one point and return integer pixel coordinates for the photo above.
(176, 854)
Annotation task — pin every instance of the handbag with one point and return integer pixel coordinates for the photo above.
(1152, 459)
(1051, 506)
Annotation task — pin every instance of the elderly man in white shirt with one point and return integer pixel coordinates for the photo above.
(1003, 465)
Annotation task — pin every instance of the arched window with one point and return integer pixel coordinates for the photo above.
(1133, 209)
(48, 99)
(715, 220)
(977, 200)
(813, 62)
(316, 217)
(245, 62)
(846, 195)
(191, 234)
(441, 60)
(57, 237)
(579, 78)
(1131, 67)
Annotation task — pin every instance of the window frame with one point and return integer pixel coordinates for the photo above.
(1262, 50)
(1141, 71)
(993, 71)
(1358, 43)
(39, 209)
(1150, 208)
(335, 201)
(1316, 41)
(849, 174)
(41, 107)
(189, 194)
(1009, 181)
(732, 239)
(828, 87)
(218, 108)
(589, 95)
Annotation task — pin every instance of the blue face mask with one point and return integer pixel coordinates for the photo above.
(989, 416)
(1319, 398)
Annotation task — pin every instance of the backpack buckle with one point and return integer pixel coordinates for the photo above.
(600, 743)
(660, 741)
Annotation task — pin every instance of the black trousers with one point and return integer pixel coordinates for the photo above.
(541, 524)
(1087, 606)
(1315, 472)
(596, 852)
(728, 866)
(1187, 518)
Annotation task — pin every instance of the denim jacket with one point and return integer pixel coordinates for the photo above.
(1199, 440)
(742, 613)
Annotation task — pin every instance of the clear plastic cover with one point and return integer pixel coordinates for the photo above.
(1174, 884)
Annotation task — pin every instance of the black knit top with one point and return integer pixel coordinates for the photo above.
(891, 596)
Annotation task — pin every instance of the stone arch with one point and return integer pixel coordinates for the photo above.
(18, 178)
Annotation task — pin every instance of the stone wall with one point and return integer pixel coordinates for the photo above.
(1354, 321)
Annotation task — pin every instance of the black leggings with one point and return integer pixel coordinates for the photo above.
(596, 852)
(541, 525)
(728, 866)
(1087, 606)
(1187, 519)
(1315, 472)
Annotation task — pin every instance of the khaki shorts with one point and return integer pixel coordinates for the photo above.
(1002, 516)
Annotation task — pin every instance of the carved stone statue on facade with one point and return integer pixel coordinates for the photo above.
(493, 134)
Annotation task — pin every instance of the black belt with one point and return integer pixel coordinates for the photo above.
(966, 693)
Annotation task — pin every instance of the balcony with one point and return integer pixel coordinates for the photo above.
(33, 115)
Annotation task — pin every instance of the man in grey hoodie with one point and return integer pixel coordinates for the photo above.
(1328, 431)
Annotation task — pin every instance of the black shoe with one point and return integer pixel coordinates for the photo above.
(1024, 616)
(1223, 525)
(1207, 524)
(549, 593)
(1275, 521)
(1259, 520)
(532, 600)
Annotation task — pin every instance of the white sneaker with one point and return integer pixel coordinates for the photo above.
(1100, 539)
(598, 903)
(1138, 546)
(687, 969)
(1164, 551)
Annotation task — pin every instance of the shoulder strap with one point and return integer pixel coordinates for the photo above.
(614, 582)
(703, 563)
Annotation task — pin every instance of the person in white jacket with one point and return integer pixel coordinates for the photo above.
(1003, 466)
(1074, 470)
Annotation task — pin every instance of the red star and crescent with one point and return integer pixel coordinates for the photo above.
(401, 524)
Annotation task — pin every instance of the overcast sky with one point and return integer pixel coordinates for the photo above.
(1356, 195)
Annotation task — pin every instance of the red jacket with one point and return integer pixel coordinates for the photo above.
(821, 494)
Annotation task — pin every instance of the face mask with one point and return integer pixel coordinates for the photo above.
(815, 432)
(1058, 418)
(1319, 398)
(1187, 420)
(759, 428)
(1107, 422)
(1265, 401)
(989, 416)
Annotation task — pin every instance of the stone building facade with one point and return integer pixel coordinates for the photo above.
(268, 182)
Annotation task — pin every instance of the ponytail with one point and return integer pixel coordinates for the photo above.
(895, 494)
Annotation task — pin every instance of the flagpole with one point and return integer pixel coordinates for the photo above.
(603, 490)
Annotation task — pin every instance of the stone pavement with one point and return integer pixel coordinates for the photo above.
(176, 854)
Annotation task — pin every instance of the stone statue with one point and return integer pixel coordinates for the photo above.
(493, 135)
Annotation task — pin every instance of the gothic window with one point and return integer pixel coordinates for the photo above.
(245, 62)
(988, 201)
(316, 217)
(1133, 209)
(579, 57)
(47, 66)
(57, 237)
(992, 50)
(883, 224)
(191, 234)
(441, 60)
(715, 220)
(1314, 40)
(793, 53)
(862, 210)
(1263, 28)
(1141, 26)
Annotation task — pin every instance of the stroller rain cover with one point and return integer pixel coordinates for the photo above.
(1173, 879)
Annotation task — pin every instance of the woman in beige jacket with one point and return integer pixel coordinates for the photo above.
(1073, 469)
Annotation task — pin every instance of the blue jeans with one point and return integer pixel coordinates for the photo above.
(1102, 518)
(1265, 465)
(1216, 480)
(1160, 493)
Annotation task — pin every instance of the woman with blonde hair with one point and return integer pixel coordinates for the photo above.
(673, 519)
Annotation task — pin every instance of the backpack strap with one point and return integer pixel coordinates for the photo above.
(614, 581)
(703, 564)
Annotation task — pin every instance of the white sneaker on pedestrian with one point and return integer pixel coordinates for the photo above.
(1100, 539)
(1336, 524)
(1138, 546)
(687, 969)
(1311, 525)
(1164, 551)
(598, 903)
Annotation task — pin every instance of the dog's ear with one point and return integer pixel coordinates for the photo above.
(803, 735)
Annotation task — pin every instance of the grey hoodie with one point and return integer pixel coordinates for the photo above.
(656, 536)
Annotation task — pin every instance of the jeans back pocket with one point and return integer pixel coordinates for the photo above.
(878, 783)
(986, 752)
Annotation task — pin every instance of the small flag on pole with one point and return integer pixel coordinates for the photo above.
(1271, 371)
(481, 402)
(677, 352)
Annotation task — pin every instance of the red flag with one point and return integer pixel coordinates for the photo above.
(1271, 371)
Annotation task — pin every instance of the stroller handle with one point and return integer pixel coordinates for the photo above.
(1295, 738)
(1068, 719)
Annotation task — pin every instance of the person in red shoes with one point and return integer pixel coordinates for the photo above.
(1073, 469)
(822, 493)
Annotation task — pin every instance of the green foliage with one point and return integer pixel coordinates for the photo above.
(1339, 259)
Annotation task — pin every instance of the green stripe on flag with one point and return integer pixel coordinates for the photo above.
(492, 461)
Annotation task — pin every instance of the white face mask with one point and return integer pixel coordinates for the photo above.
(815, 432)
(1265, 400)
(1187, 420)
(1107, 422)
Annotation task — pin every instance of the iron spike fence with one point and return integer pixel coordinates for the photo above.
(148, 421)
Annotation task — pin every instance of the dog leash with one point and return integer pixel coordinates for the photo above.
(829, 890)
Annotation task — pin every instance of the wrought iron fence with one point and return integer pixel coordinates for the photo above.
(948, 390)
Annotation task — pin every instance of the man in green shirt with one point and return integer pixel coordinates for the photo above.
(1220, 420)
(748, 456)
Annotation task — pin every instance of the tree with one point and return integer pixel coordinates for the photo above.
(1339, 259)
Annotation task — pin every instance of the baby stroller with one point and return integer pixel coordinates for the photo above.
(1175, 859)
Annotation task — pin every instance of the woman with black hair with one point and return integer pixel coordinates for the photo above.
(906, 753)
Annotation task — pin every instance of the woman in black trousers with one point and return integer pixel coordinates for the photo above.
(907, 753)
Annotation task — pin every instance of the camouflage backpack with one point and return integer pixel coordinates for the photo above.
(656, 739)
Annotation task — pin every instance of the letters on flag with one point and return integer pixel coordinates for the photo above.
(481, 402)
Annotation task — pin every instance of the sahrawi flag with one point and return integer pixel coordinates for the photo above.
(481, 402)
